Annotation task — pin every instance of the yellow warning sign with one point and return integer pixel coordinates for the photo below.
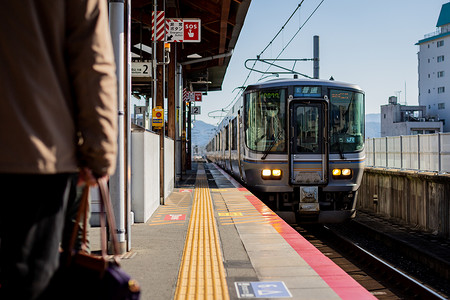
(157, 117)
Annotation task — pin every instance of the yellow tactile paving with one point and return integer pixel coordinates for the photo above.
(202, 274)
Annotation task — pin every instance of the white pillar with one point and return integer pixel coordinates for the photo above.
(118, 181)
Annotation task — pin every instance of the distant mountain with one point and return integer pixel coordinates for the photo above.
(373, 125)
(201, 133)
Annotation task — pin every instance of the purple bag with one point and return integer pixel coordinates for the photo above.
(87, 276)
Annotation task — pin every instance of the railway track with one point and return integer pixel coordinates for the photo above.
(384, 280)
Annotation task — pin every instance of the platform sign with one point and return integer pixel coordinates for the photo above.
(263, 289)
(183, 30)
(195, 110)
(141, 69)
(158, 117)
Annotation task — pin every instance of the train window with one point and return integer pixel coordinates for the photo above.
(227, 139)
(346, 121)
(265, 112)
(234, 134)
(308, 125)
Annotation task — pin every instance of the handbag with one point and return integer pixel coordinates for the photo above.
(83, 275)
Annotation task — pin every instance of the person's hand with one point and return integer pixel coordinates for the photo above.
(86, 177)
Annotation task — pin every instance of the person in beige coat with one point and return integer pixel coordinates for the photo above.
(58, 115)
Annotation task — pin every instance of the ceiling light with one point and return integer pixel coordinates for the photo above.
(195, 55)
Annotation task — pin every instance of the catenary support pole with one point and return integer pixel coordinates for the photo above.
(316, 56)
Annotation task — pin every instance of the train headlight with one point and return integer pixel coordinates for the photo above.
(276, 173)
(346, 172)
(271, 174)
(342, 173)
(266, 173)
(337, 172)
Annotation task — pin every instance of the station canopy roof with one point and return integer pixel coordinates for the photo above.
(221, 23)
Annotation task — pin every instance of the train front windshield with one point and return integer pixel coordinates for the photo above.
(346, 121)
(265, 121)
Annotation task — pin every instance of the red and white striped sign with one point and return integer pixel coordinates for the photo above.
(185, 95)
(160, 26)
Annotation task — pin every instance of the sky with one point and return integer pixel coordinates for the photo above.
(368, 43)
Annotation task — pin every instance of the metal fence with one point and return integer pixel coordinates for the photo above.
(423, 152)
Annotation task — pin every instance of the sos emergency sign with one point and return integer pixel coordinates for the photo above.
(183, 30)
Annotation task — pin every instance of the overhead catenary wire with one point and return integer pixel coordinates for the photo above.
(304, 23)
(268, 45)
(259, 55)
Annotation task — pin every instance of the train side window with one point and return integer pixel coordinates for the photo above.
(227, 135)
(234, 134)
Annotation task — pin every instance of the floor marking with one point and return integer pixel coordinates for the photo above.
(262, 289)
(230, 214)
(202, 274)
(175, 217)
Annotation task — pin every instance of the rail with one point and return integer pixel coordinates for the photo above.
(423, 152)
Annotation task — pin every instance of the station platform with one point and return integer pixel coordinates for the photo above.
(213, 239)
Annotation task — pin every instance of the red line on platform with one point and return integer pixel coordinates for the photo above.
(336, 278)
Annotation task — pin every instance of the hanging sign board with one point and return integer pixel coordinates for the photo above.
(157, 117)
(195, 110)
(183, 30)
(141, 69)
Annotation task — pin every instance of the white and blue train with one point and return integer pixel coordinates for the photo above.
(298, 144)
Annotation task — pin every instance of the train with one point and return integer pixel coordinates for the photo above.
(298, 144)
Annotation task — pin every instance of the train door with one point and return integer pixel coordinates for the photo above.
(308, 161)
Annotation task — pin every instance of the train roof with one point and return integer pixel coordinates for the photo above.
(291, 82)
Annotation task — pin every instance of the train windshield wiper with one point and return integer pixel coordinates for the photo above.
(267, 150)
(341, 152)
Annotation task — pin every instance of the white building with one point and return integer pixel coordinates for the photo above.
(434, 70)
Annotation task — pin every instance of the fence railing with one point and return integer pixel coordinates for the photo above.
(423, 152)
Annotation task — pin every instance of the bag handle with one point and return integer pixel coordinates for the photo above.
(106, 205)
(105, 208)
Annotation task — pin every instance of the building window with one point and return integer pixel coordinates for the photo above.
(441, 89)
(440, 58)
(441, 105)
(428, 75)
(384, 116)
(440, 43)
(429, 91)
(416, 131)
(428, 60)
(428, 46)
(440, 74)
(429, 131)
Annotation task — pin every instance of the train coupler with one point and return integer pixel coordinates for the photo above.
(309, 200)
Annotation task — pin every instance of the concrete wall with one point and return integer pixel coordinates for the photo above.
(420, 199)
(145, 184)
(169, 166)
